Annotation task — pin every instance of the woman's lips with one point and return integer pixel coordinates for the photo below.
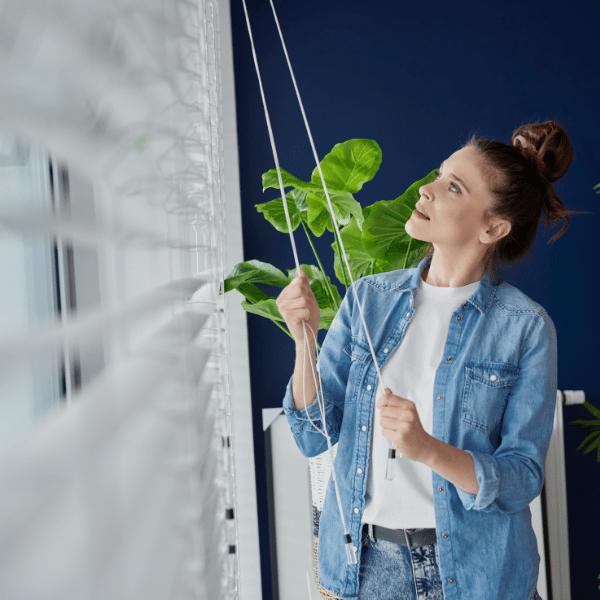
(421, 215)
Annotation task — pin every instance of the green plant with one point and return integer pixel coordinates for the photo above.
(592, 428)
(373, 237)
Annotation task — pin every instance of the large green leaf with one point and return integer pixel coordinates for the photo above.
(319, 217)
(268, 309)
(345, 169)
(383, 266)
(270, 180)
(383, 233)
(255, 271)
(348, 166)
(233, 281)
(252, 292)
(264, 308)
(358, 258)
(274, 211)
(327, 316)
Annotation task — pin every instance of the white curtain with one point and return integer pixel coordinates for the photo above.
(117, 480)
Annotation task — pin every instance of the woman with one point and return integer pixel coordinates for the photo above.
(469, 363)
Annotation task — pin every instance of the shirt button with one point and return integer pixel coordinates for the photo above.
(464, 306)
(369, 387)
(356, 510)
(493, 377)
(408, 314)
(386, 350)
(445, 536)
(364, 427)
(458, 318)
(440, 397)
(451, 580)
(449, 358)
(440, 489)
(359, 471)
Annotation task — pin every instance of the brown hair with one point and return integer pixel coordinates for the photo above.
(520, 177)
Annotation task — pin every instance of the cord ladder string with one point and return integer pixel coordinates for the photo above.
(350, 552)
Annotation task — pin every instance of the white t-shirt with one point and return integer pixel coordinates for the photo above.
(406, 501)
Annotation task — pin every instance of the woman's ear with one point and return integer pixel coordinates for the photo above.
(498, 229)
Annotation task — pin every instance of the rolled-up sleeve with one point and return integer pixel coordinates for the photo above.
(334, 366)
(514, 474)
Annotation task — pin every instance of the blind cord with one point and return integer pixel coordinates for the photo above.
(350, 552)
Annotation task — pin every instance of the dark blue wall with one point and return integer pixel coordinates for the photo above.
(419, 79)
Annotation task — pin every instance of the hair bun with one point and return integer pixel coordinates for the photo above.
(547, 146)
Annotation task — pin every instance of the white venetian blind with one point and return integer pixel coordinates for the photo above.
(116, 472)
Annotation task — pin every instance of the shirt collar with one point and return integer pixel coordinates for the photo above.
(481, 299)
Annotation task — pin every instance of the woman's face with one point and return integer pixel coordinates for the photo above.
(454, 203)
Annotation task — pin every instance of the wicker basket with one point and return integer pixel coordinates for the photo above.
(320, 471)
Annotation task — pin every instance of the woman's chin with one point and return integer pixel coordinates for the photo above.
(411, 230)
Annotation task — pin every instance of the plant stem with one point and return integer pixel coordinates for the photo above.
(372, 267)
(283, 328)
(327, 284)
(410, 240)
(342, 261)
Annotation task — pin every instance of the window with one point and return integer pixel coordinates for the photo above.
(117, 382)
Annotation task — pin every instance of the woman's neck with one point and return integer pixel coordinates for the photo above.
(432, 276)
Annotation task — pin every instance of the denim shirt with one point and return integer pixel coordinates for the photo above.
(494, 397)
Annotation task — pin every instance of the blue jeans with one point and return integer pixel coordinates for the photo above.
(391, 571)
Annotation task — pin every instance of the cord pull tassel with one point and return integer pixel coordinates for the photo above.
(390, 467)
(350, 553)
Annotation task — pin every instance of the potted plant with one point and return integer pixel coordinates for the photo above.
(373, 237)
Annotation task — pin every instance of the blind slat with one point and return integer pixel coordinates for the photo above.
(82, 328)
(88, 235)
(137, 460)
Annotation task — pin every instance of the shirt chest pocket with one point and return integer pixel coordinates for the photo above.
(359, 356)
(487, 386)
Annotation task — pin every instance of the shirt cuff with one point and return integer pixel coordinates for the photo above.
(297, 418)
(488, 478)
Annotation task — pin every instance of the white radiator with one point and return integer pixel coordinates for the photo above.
(554, 498)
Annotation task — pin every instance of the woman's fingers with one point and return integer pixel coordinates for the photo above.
(297, 303)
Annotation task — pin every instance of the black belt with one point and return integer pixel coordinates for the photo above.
(405, 537)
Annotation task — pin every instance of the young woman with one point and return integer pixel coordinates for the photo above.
(470, 366)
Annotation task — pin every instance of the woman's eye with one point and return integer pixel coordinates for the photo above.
(437, 176)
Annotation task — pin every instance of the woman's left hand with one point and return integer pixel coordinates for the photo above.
(401, 424)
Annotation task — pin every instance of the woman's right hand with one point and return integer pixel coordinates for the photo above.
(297, 303)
